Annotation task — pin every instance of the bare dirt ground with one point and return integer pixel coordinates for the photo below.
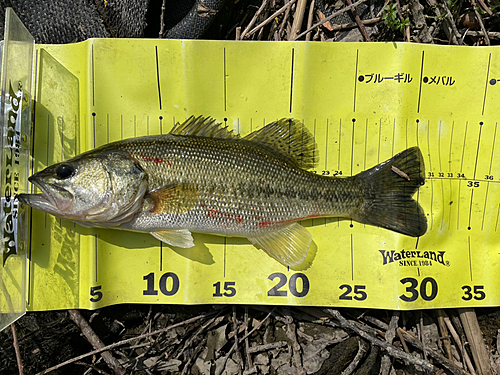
(159, 339)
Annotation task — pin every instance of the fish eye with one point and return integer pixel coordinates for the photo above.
(65, 171)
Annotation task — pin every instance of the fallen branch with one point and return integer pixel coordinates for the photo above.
(95, 341)
(16, 348)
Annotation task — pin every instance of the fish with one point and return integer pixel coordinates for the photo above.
(203, 178)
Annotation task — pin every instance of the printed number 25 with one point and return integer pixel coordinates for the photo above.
(359, 292)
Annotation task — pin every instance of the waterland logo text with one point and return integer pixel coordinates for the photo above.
(414, 257)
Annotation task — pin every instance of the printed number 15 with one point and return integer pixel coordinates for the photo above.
(229, 289)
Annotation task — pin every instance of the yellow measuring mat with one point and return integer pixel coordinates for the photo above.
(362, 103)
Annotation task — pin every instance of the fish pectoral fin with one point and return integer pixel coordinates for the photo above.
(174, 199)
(288, 245)
(175, 237)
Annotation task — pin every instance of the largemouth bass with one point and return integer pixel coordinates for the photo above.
(203, 178)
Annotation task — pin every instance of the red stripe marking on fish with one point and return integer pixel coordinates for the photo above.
(155, 160)
(214, 213)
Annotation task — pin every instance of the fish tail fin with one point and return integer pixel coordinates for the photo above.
(389, 188)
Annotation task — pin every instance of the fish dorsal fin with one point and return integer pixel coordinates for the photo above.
(288, 245)
(290, 139)
(202, 127)
(173, 199)
(175, 237)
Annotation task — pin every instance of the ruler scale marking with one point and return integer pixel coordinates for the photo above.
(93, 78)
(489, 174)
(393, 136)
(158, 76)
(352, 145)
(430, 167)
(225, 83)
(161, 256)
(486, 84)
(352, 260)
(291, 79)
(470, 208)
(498, 214)
(461, 170)
(470, 258)
(449, 170)
(421, 78)
(441, 169)
(477, 150)
(96, 255)
(356, 80)
(379, 140)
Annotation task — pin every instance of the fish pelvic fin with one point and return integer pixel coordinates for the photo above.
(175, 237)
(389, 188)
(288, 245)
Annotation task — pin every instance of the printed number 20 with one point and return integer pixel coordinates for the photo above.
(292, 285)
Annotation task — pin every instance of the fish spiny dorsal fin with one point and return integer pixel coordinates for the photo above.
(290, 139)
(202, 127)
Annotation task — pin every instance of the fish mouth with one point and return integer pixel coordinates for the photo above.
(53, 198)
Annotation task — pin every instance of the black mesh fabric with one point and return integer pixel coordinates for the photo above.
(66, 21)
(57, 21)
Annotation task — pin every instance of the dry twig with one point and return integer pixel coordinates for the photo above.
(297, 19)
(95, 341)
(16, 348)
(254, 18)
(475, 338)
(360, 24)
(285, 7)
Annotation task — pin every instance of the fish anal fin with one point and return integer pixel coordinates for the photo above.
(290, 139)
(175, 237)
(288, 245)
(174, 199)
(202, 127)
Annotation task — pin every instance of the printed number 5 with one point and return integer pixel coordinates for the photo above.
(95, 293)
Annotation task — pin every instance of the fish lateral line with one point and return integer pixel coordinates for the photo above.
(267, 224)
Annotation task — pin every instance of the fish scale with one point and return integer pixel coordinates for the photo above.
(275, 193)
